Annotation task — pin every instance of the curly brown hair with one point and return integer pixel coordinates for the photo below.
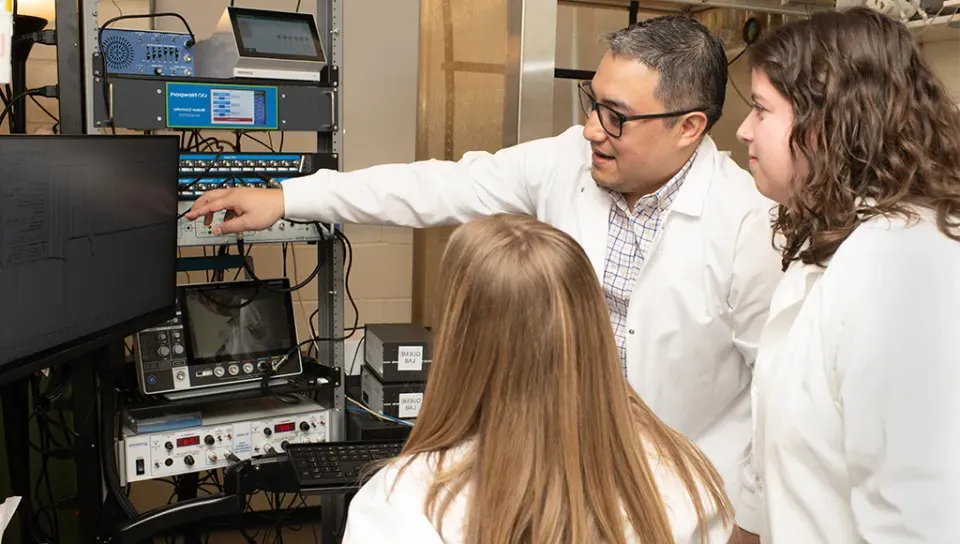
(876, 127)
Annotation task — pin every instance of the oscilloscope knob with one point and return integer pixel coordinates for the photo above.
(177, 349)
(164, 351)
(181, 375)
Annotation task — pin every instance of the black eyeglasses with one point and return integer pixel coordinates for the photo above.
(611, 120)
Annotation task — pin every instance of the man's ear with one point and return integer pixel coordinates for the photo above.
(692, 127)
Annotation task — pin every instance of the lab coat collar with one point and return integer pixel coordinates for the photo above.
(593, 203)
(694, 190)
(794, 286)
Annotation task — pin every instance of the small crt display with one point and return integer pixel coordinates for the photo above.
(188, 441)
(284, 427)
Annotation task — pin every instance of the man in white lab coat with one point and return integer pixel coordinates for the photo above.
(677, 232)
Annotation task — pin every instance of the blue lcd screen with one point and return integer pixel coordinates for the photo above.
(202, 105)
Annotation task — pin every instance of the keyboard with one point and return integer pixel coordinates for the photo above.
(337, 464)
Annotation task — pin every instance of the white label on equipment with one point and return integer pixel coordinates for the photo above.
(410, 405)
(410, 358)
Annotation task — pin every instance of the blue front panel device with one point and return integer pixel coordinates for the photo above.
(147, 53)
(216, 106)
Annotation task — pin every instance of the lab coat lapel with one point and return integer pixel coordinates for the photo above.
(794, 286)
(693, 192)
(690, 197)
(593, 208)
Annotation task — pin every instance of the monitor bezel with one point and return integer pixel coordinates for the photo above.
(186, 318)
(245, 52)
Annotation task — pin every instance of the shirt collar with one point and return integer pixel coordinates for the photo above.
(662, 198)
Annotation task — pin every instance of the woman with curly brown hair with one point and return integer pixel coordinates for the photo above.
(857, 384)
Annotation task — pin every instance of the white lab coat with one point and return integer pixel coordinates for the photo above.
(857, 394)
(698, 305)
(391, 509)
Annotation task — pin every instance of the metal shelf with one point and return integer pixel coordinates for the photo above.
(937, 29)
(80, 92)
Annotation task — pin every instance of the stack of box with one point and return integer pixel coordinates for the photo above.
(396, 359)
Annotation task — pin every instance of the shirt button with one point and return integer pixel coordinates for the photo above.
(630, 331)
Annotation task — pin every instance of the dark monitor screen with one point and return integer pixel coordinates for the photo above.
(276, 34)
(235, 321)
(88, 248)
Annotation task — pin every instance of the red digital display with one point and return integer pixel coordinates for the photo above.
(188, 441)
(284, 427)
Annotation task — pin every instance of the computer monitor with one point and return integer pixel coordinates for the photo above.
(88, 247)
(237, 321)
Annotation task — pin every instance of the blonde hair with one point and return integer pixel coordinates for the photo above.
(525, 365)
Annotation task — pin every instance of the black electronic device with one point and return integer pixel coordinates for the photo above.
(231, 333)
(338, 465)
(365, 427)
(87, 244)
(398, 352)
(160, 103)
(401, 400)
(201, 172)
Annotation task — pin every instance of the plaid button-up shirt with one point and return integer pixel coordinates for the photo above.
(629, 239)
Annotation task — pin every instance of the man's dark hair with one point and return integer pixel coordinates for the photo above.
(690, 59)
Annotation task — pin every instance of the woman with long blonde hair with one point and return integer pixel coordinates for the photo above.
(529, 432)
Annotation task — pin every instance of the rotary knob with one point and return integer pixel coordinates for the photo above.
(208, 440)
(234, 370)
(304, 426)
(188, 460)
(168, 462)
(248, 367)
(177, 349)
(164, 351)
(181, 375)
(218, 371)
(267, 431)
(168, 445)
